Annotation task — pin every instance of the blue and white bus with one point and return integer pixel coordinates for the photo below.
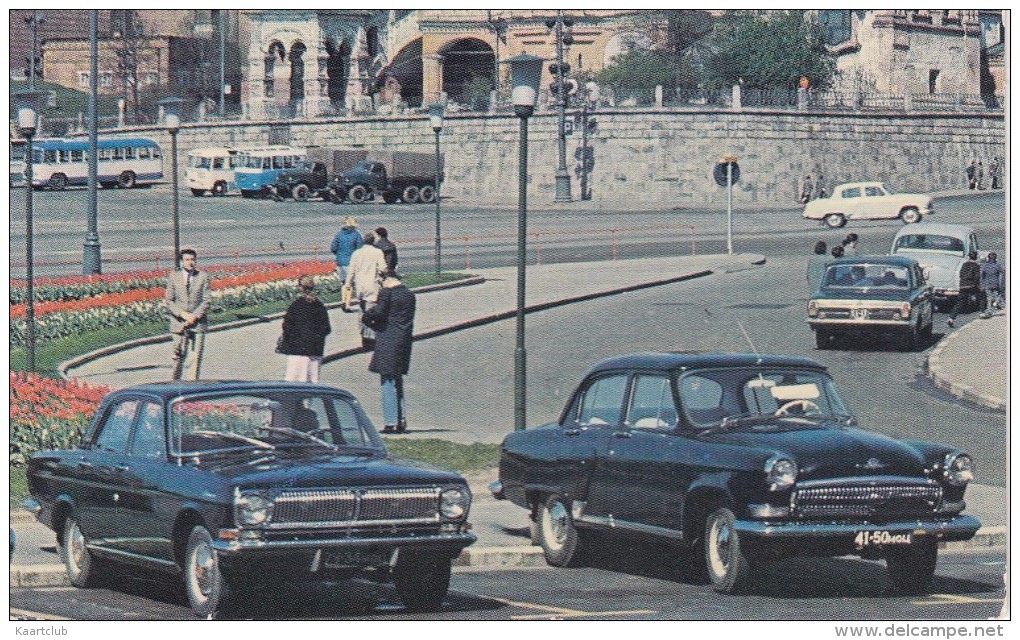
(122, 162)
(211, 170)
(258, 167)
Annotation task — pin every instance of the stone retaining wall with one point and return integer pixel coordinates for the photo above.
(663, 157)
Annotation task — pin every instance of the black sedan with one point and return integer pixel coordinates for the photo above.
(739, 458)
(232, 483)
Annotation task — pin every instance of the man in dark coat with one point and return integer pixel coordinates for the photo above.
(392, 317)
(970, 286)
(388, 249)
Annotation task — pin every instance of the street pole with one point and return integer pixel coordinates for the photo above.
(562, 176)
(584, 152)
(34, 20)
(175, 200)
(92, 263)
(439, 251)
(29, 254)
(520, 355)
(223, 56)
(729, 208)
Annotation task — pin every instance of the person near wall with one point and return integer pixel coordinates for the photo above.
(970, 287)
(995, 173)
(186, 302)
(305, 327)
(392, 319)
(363, 275)
(972, 174)
(993, 284)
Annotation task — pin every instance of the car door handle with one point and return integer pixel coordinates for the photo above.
(622, 434)
(571, 432)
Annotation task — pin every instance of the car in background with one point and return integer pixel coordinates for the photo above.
(868, 201)
(230, 484)
(941, 249)
(732, 460)
(872, 297)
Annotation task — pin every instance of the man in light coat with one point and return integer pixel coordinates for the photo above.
(367, 265)
(186, 302)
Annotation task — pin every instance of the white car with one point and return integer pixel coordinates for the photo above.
(868, 201)
(940, 249)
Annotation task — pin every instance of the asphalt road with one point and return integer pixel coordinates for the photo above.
(136, 230)
(623, 584)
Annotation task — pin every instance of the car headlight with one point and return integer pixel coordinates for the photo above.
(812, 308)
(454, 503)
(781, 473)
(959, 469)
(252, 508)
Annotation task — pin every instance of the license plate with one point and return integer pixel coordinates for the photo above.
(882, 538)
(355, 558)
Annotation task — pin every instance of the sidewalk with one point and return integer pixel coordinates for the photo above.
(972, 362)
(501, 527)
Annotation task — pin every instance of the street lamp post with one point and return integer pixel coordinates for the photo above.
(563, 37)
(172, 120)
(28, 105)
(92, 263)
(436, 119)
(526, 74)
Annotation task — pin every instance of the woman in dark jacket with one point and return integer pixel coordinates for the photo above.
(305, 327)
(393, 319)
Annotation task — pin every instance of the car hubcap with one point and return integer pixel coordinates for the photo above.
(76, 547)
(203, 568)
(556, 525)
(719, 547)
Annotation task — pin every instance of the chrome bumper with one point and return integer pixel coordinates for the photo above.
(453, 541)
(958, 528)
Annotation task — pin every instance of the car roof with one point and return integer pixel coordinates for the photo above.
(936, 228)
(899, 261)
(671, 361)
(858, 184)
(176, 388)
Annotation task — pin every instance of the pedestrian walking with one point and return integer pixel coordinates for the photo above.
(837, 251)
(305, 327)
(995, 173)
(382, 240)
(816, 266)
(346, 241)
(806, 188)
(980, 176)
(972, 174)
(850, 245)
(186, 302)
(363, 276)
(993, 283)
(970, 287)
(393, 320)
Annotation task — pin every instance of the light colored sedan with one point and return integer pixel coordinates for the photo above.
(941, 249)
(868, 201)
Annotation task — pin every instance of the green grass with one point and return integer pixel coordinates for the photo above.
(50, 354)
(19, 487)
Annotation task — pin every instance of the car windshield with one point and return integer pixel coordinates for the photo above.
(866, 276)
(198, 162)
(888, 190)
(929, 243)
(729, 396)
(268, 421)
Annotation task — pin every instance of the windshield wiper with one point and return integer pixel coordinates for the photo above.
(235, 436)
(290, 431)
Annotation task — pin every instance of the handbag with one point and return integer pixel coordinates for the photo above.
(373, 320)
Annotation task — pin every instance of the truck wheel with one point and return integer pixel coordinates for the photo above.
(358, 194)
(410, 194)
(427, 193)
(299, 192)
(219, 189)
(912, 568)
(910, 215)
(835, 220)
(729, 568)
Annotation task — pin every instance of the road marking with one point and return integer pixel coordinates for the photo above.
(35, 614)
(559, 612)
(943, 598)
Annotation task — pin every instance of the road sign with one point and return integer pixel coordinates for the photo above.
(719, 172)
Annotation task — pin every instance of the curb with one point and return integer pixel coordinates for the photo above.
(489, 558)
(234, 324)
(962, 391)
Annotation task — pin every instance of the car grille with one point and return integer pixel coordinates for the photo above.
(844, 313)
(356, 507)
(871, 500)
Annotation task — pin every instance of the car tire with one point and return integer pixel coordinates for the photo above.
(299, 192)
(557, 534)
(427, 194)
(729, 569)
(57, 182)
(910, 215)
(410, 194)
(127, 180)
(83, 569)
(910, 339)
(912, 568)
(389, 198)
(219, 189)
(823, 339)
(422, 582)
(834, 220)
(204, 583)
(926, 335)
(198, 193)
(358, 194)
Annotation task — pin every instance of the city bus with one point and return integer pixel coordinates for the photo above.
(121, 162)
(17, 163)
(211, 170)
(258, 167)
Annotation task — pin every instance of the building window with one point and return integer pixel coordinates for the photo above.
(933, 77)
(106, 79)
(83, 79)
(580, 61)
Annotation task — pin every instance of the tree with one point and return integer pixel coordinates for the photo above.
(636, 72)
(768, 51)
(130, 48)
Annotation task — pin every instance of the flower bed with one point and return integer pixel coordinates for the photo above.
(126, 301)
(47, 413)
